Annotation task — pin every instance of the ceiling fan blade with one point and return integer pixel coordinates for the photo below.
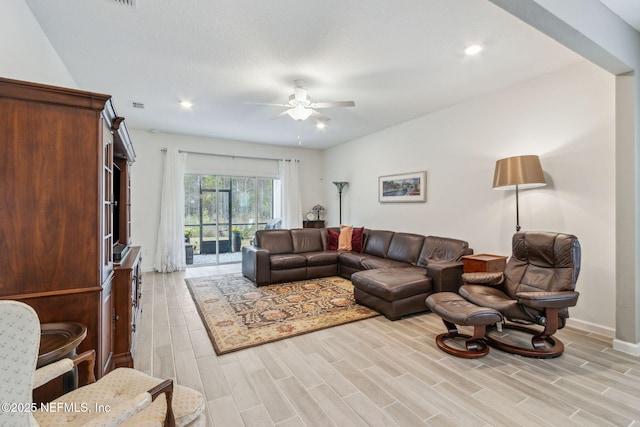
(319, 116)
(333, 104)
(265, 103)
(277, 116)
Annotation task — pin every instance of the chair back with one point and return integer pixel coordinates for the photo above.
(542, 261)
(274, 224)
(19, 344)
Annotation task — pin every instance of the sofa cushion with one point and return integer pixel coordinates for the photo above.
(405, 247)
(306, 240)
(352, 259)
(378, 242)
(370, 263)
(442, 249)
(112, 392)
(321, 258)
(287, 261)
(275, 241)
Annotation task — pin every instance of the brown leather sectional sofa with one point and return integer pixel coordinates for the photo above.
(298, 254)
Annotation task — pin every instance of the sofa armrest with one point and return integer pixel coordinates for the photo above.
(446, 276)
(487, 278)
(255, 265)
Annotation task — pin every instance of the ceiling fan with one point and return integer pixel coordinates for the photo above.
(300, 107)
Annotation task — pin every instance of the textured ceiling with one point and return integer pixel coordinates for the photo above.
(397, 60)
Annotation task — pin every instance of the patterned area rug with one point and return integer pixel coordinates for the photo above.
(238, 315)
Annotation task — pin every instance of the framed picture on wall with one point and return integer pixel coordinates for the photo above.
(406, 187)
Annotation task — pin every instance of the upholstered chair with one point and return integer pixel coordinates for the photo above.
(19, 343)
(122, 397)
(537, 287)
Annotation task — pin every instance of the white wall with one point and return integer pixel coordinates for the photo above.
(567, 118)
(147, 176)
(590, 29)
(26, 52)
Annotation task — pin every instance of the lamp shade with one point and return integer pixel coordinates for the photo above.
(520, 171)
(340, 185)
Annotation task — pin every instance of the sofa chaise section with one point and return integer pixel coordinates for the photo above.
(398, 291)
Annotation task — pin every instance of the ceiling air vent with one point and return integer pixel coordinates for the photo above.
(130, 3)
(136, 104)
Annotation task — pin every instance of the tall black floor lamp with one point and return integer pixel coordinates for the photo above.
(340, 185)
(518, 173)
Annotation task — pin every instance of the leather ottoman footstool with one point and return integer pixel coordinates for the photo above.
(394, 292)
(455, 310)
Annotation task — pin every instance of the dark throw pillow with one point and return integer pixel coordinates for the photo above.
(356, 239)
(332, 240)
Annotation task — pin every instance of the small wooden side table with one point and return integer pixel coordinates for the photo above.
(313, 224)
(58, 341)
(483, 262)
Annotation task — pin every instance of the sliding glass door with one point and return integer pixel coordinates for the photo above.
(222, 214)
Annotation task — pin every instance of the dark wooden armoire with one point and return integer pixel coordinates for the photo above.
(61, 151)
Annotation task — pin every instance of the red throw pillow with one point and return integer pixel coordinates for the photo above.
(356, 239)
(332, 240)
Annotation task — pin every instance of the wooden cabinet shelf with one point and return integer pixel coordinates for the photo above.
(127, 284)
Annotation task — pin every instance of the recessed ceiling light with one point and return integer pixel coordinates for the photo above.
(473, 49)
(186, 104)
(321, 125)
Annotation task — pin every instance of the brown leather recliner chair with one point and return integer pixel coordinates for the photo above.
(537, 286)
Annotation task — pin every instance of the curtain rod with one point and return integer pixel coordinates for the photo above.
(232, 156)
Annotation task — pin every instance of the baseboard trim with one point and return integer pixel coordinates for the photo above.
(627, 347)
(592, 327)
(632, 349)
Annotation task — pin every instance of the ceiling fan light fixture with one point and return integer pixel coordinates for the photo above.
(300, 107)
(300, 94)
(299, 113)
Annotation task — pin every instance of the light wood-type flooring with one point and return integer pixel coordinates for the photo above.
(380, 373)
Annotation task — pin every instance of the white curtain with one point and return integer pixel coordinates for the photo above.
(291, 203)
(170, 252)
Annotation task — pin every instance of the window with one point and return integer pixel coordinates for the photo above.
(222, 214)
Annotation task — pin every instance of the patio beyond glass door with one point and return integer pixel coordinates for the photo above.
(222, 214)
(243, 211)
